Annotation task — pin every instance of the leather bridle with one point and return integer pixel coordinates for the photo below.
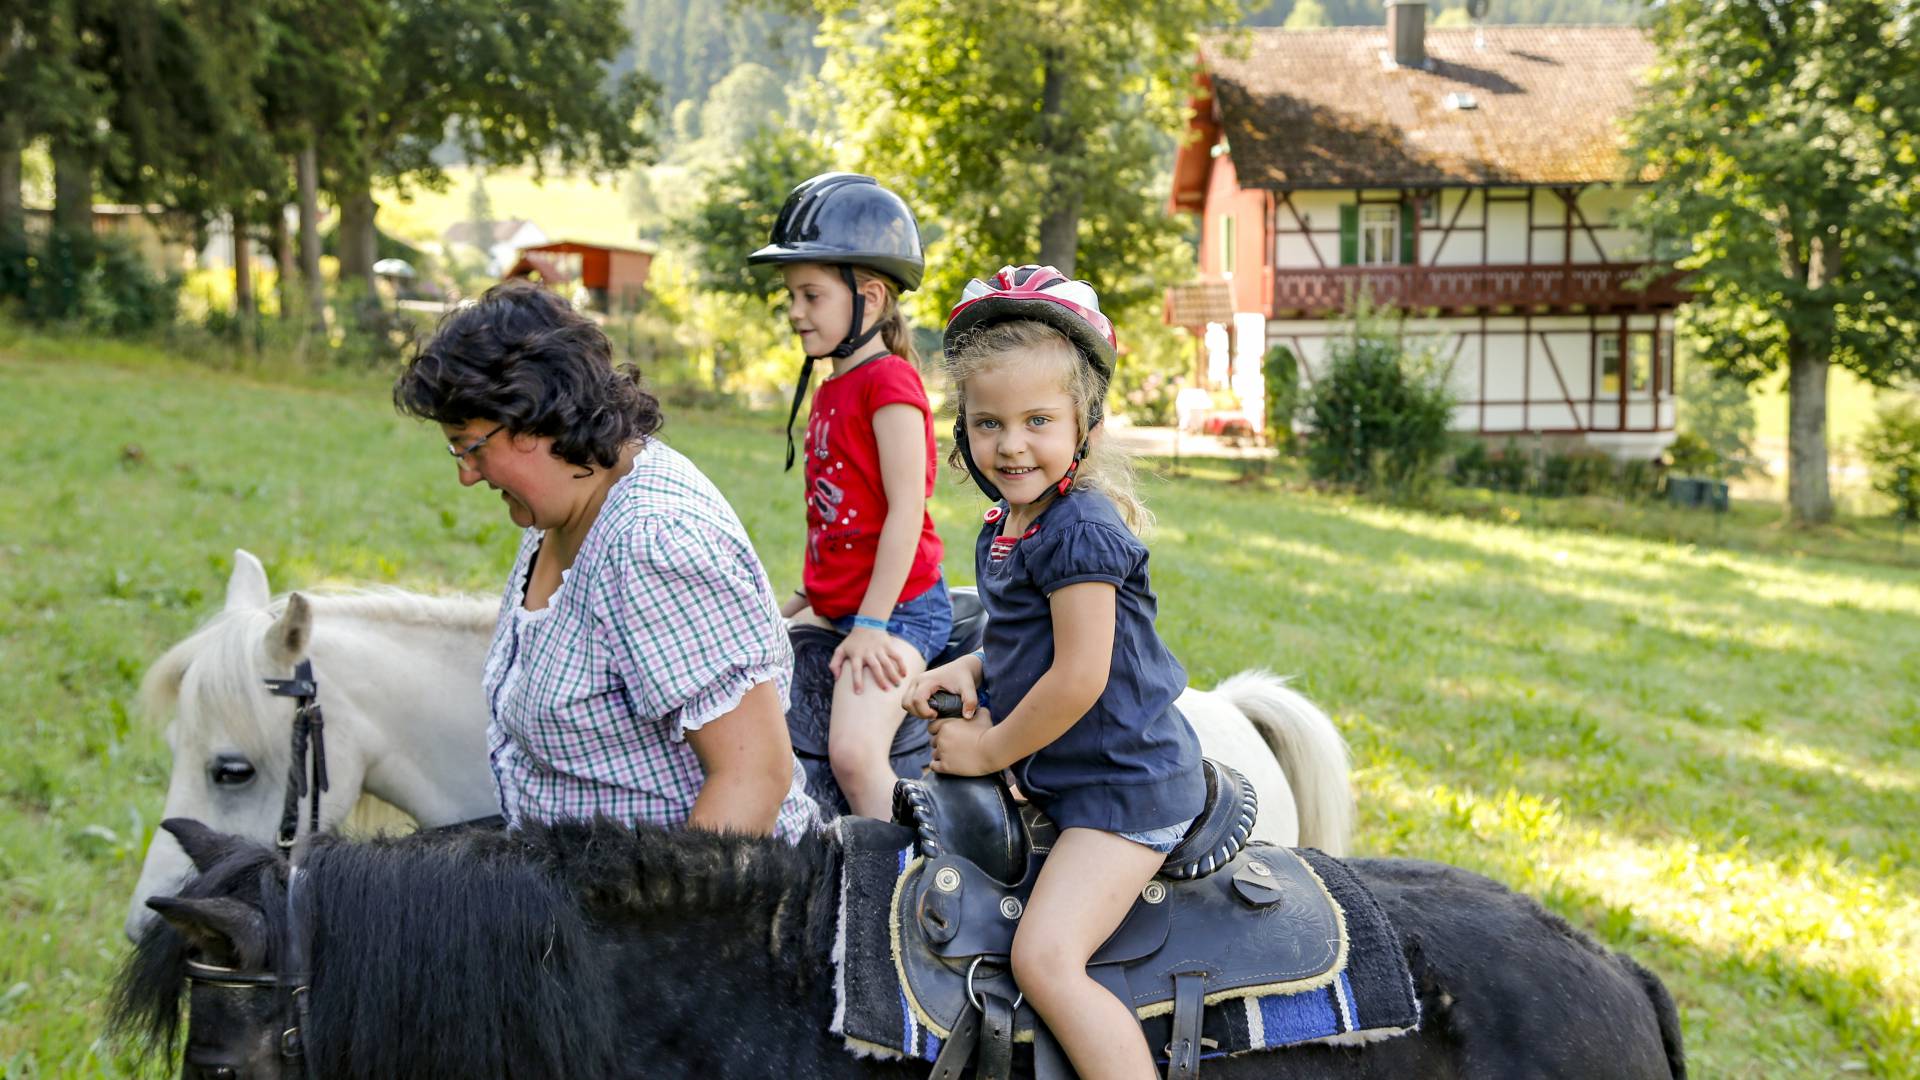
(290, 982)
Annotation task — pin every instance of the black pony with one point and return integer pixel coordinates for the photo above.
(594, 950)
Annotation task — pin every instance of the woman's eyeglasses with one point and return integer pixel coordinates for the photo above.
(465, 457)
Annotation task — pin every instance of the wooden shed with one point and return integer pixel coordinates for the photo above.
(614, 277)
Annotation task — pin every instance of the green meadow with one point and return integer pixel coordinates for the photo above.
(1702, 747)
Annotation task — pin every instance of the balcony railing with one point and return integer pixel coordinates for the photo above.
(1589, 286)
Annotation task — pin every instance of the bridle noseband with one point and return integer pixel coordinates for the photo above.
(306, 778)
(289, 984)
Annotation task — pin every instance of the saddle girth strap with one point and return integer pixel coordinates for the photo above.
(958, 1049)
(996, 1039)
(1189, 1005)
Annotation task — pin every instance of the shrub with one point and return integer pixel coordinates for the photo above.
(1892, 449)
(1691, 455)
(1716, 419)
(1381, 413)
(1280, 369)
(103, 285)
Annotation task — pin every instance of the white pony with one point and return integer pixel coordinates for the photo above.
(399, 677)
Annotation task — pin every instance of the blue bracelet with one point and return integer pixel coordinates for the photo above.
(862, 622)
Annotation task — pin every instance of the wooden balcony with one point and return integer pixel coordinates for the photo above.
(1452, 289)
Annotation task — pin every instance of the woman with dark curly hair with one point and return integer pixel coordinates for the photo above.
(640, 667)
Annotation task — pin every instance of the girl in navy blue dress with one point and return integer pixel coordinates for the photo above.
(1080, 687)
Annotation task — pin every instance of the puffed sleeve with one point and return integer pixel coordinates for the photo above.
(1085, 551)
(895, 382)
(688, 616)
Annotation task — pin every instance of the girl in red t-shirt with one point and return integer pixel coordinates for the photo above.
(847, 248)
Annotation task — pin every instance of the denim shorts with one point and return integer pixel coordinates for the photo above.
(923, 622)
(1161, 840)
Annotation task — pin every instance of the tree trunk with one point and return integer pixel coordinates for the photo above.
(282, 242)
(243, 303)
(1060, 233)
(1808, 498)
(354, 241)
(13, 221)
(1060, 225)
(308, 171)
(73, 193)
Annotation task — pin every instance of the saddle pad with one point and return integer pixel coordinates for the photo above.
(1368, 996)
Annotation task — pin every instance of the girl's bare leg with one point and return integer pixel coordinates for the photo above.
(1086, 887)
(860, 735)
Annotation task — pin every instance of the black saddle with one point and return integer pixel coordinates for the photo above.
(1223, 917)
(812, 702)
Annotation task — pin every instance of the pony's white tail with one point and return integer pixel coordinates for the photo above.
(1309, 749)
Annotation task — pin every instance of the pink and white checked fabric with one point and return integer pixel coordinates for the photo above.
(662, 624)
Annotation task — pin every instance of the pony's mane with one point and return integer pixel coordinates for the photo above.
(441, 943)
(220, 655)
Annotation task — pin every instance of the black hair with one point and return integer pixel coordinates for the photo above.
(522, 356)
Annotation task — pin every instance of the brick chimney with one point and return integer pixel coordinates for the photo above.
(1407, 32)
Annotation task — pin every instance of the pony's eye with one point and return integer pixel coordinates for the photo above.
(231, 770)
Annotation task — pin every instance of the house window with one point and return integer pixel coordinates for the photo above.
(1640, 362)
(1379, 235)
(1228, 234)
(1608, 346)
(1430, 209)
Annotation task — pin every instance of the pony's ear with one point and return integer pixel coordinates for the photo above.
(247, 585)
(289, 635)
(203, 845)
(223, 930)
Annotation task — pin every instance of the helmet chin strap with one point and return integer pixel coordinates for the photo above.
(855, 338)
(987, 487)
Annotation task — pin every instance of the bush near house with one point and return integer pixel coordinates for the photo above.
(1576, 472)
(1892, 449)
(1380, 414)
(105, 287)
(1281, 372)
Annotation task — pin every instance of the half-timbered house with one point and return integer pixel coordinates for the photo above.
(1469, 179)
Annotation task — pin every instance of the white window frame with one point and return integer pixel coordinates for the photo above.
(1606, 346)
(1379, 240)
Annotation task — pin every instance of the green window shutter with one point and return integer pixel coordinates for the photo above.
(1349, 235)
(1406, 233)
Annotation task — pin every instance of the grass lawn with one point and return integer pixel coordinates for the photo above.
(1707, 755)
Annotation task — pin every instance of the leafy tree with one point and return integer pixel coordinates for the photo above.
(1306, 14)
(1783, 137)
(1452, 12)
(506, 83)
(1716, 419)
(738, 205)
(1019, 132)
(748, 100)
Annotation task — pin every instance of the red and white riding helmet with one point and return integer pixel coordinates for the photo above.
(1044, 295)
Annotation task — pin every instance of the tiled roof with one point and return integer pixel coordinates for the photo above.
(1326, 109)
(1196, 304)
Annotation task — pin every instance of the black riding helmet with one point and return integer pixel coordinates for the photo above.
(845, 220)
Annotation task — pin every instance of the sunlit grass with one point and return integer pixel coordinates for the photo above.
(1706, 753)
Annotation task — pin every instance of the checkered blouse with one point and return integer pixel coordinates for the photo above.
(662, 624)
